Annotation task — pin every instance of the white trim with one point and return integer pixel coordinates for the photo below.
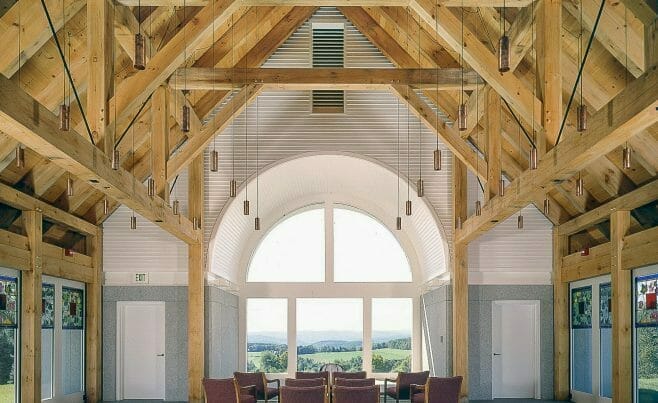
(155, 278)
(509, 278)
(328, 25)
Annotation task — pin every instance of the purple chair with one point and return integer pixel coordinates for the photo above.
(361, 394)
(403, 383)
(347, 375)
(313, 375)
(305, 383)
(258, 379)
(227, 391)
(354, 382)
(313, 394)
(437, 390)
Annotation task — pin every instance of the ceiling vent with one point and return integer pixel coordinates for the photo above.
(328, 50)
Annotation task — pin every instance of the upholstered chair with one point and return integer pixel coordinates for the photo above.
(313, 375)
(347, 375)
(403, 382)
(258, 379)
(228, 391)
(360, 394)
(305, 383)
(437, 390)
(354, 382)
(312, 394)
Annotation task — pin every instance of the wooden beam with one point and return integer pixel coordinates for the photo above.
(101, 70)
(642, 10)
(195, 286)
(37, 128)
(561, 348)
(449, 135)
(640, 249)
(460, 281)
(160, 141)
(196, 144)
(21, 201)
(632, 111)
(31, 311)
(577, 267)
(196, 78)
(321, 3)
(125, 28)
(34, 30)
(480, 58)
(494, 166)
(622, 326)
(520, 34)
(94, 325)
(549, 56)
(629, 201)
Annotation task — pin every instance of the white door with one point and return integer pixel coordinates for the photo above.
(140, 350)
(515, 347)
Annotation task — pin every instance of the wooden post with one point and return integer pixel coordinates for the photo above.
(195, 287)
(31, 311)
(160, 141)
(101, 70)
(561, 346)
(550, 71)
(93, 333)
(622, 337)
(494, 174)
(460, 280)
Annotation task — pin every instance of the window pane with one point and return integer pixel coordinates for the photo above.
(8, 346)
(293, 251)
(267, 335)
(47, 339)
(646, 327)
(329, 331)
(366, 251)
(72, 340)
(605, 324)
(391, 334)
(581, 332)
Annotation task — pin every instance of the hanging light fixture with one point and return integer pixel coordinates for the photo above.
(533, 157)
(150, 185)
(626, 157)
(461, 117)
(626, 152)
(116, 162)
(458, 222)
(185, 120)
(106, 206)
(478, 204)
(20, 157)
(547, 206)
(214, 161)
(233, 186)
(420, 185)
(257, 223)
(196, 223)
(580, 188)
(398, 219)
(461, 111)
(175, 207)
(503, 45)
(437, 159)
(140, 42)
(64, 117)
(214, 155)
(408, 210)
(581, 111)
(501, 189)
(257, 219)
(133, 221)
(69, 186)
(65, 108)
(533, 149)
(478, 208)
(519, 221)
(437, 151)
(245, 203)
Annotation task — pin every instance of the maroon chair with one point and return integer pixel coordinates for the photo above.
(227, 391)
(313, 394)
(361, 394)
(354, 382)
(403, 383)
(313, 375)
(348, 375)
(258, 379)
(437, 390)
(305, 383)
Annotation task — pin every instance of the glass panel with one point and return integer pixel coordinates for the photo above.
(329, 331)
(366, 251)
(391, 334)
(267, 335)
(8, 348)
(47, 339)
(605, 331)
(72, 340)
(293, 251)
(646, 323)
(581, 325)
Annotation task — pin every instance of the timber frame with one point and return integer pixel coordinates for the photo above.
(616, 218)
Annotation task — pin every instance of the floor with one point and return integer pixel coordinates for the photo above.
(472, 401)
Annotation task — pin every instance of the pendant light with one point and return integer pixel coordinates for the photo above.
(133, 219)
(214, 160)
(106, 206)
(245, 203)
(233, 186)
(626, 157)
(547, 206)
(501, 189)
(519, 221)
(408, 210)
(116, 162)
(533, 157)
(458, 222)
(214, 155)
(398, 219)
(461, 111)
(196, 223)
(581, 111)
(580, 188)
(257, 218)
(140, 42)
(437, 152)
(478, 208)
(626, 152)
(533, 149)
(64, 117)
(503, 44)
(185, 119)
(69, 186)
(175, 207)
(20, 157)
(150, 183)
(65, 108)
(420, 185)
(478, 204)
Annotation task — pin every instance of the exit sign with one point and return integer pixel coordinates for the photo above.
(141, 278)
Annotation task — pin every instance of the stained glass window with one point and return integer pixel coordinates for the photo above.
(47, 306)
(605, 305)
(581, 308)
(646, 309)
(72, 308)
(8, 302)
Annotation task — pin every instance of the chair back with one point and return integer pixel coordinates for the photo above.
(405, 379)
(361, 394)
(304, 383)
(354, 382)
(443, 390)
(220, 390)
(349, 375)
(312, 394)
(313, 375)
(251, 378)
(331, 368)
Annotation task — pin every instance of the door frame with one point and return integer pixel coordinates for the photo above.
(121, 306)
(536, 310)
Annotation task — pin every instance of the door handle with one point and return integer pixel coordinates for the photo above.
(159, 355)
(496, 354)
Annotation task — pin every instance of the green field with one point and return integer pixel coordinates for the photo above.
(392, 353)
(328, 357)
(7, 393)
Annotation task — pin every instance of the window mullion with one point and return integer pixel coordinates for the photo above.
(329, 241)
(367, 335)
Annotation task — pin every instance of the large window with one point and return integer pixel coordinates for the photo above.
(391, 334)
(267, 340)
(47, 339)
(72, 340)
(581, 336)
(329, 331)
(9, 377)
(646, 336)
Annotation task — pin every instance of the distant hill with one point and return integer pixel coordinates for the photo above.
(324, 339)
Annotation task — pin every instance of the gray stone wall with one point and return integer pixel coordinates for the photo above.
(221, 333)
